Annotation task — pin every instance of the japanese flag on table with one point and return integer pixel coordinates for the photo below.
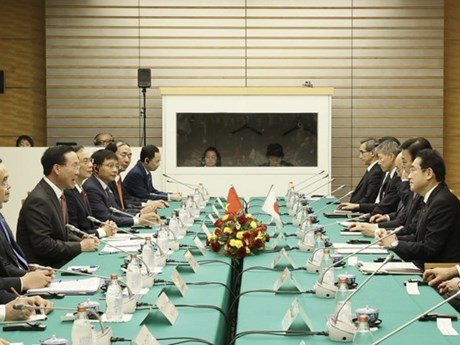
(271, 207)
(233, 201)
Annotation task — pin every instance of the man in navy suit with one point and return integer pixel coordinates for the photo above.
(78, 203)
(368, 187)
(102, 199)
(437, 234)
(14, 269)
(388, 198)
(138, 181)
(41, 231)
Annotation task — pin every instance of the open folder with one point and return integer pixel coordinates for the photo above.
(389, 268)
(87, 286)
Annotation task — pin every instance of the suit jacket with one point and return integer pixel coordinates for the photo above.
(368, 187)
(9, 266)
(388, 203)
(139, 185)
(79, 211)
(100, 203)
(6, 296)
(437, 236)
(41, 232)
(131, 203)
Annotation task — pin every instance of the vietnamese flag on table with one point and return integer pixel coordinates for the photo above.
(234, 204)
(271, 207)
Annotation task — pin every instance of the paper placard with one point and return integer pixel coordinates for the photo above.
(292, 314)
(205, 229)
(200, 245)
(167, 308)
(144, 337)
(276, 241)
(179, 282)
(216, 212)
(285, 276)
(192, 261)
(445, 326)
(211, 218)
(412, 288)
(283, 254)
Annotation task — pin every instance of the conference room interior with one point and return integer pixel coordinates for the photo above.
(69, 70)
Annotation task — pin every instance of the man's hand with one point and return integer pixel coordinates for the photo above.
(149, 218)
(347, 206)
(449, 286)
(110, 228)
(385, 242)
(158, 203)
(12, 314)
(365, 228)
(42, 303)
(89, 244)
(378, 218)
(175, 196)
(37, 279)
(437, 275)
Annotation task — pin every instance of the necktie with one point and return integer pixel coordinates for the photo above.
(22, 262)
(84, 197)
(120, 193)
(383, 188)
(112, 200)
(64, 209)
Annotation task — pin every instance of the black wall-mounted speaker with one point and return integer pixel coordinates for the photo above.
(144, 79)
(2, 81)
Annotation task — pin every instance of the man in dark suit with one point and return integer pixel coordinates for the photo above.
(138, 181)
(100, 196)
(41, 231)
(78, 203)
(126, 201)
(437, 234)
(14, 269)
(388, 198)
(368, 187)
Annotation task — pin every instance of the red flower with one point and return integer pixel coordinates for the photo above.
(218, 223)
(215, 246)
(242, 219)
(258, 243)
(241, 252)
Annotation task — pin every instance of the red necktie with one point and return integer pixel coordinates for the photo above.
(84, 198)
(120, 193)
(64, 208)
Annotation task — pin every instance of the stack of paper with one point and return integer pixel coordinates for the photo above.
(389, 268)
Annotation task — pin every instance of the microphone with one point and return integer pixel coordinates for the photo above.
(344, 330)
(79, 232)
(321, 185)
(323, 208)
(314, 268)
(457, 294)
(174, 180)
(325, 196)
(309, 178)
(313, 182)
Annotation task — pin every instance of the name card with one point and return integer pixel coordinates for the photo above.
(295, 310)
(211, 218)
(283, 254)
(179, 282)
(220, 203)
(167, 308)
(286, 276)
(192, 261)
(276, 241)
(144, 337)
(200, 245)
(205, 229)
(215, 211)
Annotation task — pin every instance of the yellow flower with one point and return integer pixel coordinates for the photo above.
(249, 215)
(236, 243)
(212, 237)
(225, 217)
(253, 225)
(248, 250)
(260, 235)
(227, 230)
(240, 234)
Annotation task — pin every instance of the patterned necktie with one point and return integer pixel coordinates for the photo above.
(120, 193)
(64, 208)
(112, 200)
(21, 261)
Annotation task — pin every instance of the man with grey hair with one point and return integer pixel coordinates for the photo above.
(387, 199)
(368, 187)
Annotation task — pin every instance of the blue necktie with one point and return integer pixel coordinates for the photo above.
(22, 263)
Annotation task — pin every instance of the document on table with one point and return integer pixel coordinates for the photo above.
(347, 248)
(88, 286)
(126, 245)
(389, 268)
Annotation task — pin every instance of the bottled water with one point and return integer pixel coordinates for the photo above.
(163, 239)
(82, 332)
(133, 275)
(363, 335)
(114, 300)
(343, 313)
(148, 254)
(326, 276)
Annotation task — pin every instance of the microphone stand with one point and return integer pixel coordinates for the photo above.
(308, 179)
(189, 185)
(313, 182)
(329, 291)
(344, 330)
(416, 318)
(321, 186)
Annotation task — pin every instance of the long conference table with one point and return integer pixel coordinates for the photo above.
(204, 312)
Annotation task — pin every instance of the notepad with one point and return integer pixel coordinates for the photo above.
(88, 286)
(389, 268)
(346, 248)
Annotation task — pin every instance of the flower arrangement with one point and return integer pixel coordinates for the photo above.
(237, 235)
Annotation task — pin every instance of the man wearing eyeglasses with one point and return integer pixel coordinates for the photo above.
(437, 234)
(102, 199)
(368, 187)
(41, 231)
